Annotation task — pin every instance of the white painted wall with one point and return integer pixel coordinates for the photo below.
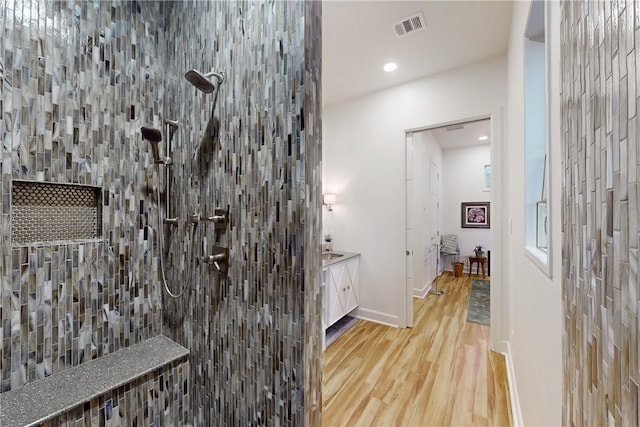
(364, 163)
(535, 300)
(463, 181)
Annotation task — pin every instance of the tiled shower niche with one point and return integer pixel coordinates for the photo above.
(45, 212)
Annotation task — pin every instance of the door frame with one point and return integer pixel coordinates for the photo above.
(498, 335)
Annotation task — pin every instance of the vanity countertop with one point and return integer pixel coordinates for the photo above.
(334, 257)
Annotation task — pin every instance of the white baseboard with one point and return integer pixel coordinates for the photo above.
(516, 411)
(421, 293)
(378, 317)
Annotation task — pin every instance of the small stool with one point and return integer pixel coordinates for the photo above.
(479, 261)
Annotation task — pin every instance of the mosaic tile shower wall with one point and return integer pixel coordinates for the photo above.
(77, 79)
(601, 159)
(254, 333)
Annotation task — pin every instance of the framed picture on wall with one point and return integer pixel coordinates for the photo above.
(475, 215)
(487, 177)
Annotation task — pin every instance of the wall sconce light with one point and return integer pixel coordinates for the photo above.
(329, 199)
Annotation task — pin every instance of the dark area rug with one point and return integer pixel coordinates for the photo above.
(339, 328)
(479, 302)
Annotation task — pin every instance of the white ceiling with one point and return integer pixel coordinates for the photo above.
(358, 39)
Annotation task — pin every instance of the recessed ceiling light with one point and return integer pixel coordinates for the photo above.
(483, 138)
(391, 66)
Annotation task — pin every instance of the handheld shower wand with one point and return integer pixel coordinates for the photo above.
(154, 136)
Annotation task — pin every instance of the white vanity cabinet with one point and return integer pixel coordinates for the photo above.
(342, 288)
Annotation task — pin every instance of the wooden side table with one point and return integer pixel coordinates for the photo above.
(479, 261)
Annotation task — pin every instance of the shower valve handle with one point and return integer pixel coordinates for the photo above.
(219, 259)
(220, 218)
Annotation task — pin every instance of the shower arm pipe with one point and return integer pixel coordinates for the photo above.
(218, 76)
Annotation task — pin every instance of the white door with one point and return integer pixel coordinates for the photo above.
(407, 321)
(434, 223)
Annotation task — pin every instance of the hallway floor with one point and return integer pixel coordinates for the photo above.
(440, 372)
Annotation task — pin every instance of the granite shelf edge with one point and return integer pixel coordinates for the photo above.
(345, 257)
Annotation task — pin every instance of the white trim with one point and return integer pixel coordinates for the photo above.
(539, 258)
(499, 264)
(421, 293)
(516, 411)
(377, 317)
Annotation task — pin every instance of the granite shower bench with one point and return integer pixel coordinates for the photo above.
(119, 387)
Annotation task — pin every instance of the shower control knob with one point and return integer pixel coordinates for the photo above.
(212, 259)
(220, 218)
(219, 259)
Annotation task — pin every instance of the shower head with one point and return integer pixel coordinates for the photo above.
(152, 135)
(201, 81)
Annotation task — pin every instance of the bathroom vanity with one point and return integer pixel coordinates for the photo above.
(341, 281)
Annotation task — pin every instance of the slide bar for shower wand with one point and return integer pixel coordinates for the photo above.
(168, 124)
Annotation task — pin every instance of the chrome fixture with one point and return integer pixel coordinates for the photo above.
(203, 84)
(219, 259)
(154, 136)
(201, 81)
(170, 127)
(435, 290)
(220, 218)
(329, 199)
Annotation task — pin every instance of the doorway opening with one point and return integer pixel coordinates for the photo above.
(448, 169)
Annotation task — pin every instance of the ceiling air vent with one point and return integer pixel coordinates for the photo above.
(410, 24)
(454, 127)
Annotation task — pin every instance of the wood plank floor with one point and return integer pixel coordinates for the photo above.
(438, 373)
